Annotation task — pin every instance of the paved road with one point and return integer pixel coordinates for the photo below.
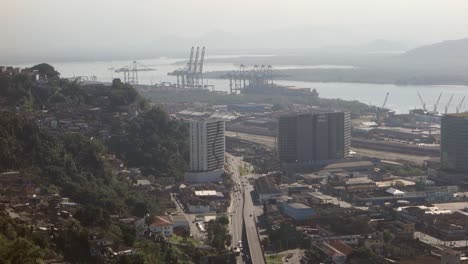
(236, 208)
(255, 247)
(246, 214)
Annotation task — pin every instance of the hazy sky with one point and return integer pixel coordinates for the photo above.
(96, 24)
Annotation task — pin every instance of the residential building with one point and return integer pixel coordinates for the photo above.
(207, 146)
(312, 138)
(329, 251)
(156, 225)
(454, 142)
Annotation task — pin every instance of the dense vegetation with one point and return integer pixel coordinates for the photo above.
(217, 234)
(76, 166)
(19, 244)
(286, 237)
(72, 163)
(20, 90)
(155, 143)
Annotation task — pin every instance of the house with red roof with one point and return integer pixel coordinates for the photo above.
(155, 225)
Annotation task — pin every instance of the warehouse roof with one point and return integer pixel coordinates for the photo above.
(464, 114)
(264, 185)
(205, 193)
(299, 206)
(352, 164)
(358, 180)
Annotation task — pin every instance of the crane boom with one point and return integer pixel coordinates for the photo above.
(459, 106)
(437, 103)
(195, 64)
(189, 64)
(379, 110)
(385, 101)
(200, 69)
(202, 59)
(423, 104)
(448, 104)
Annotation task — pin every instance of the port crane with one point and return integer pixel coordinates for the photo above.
(448, 104)
(131, 72)
(423, 104)
(380, 110)
(459, 106)
(192, 75)
(437, 103)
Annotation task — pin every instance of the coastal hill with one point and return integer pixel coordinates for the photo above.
(443, 63)
(455, 51)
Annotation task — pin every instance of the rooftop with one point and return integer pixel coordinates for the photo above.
(299, 206)
(205, 193)
(394, 191)
(340, 165)
(358, 180)
(395, 182)
(179, 218)
(143, 183)
(320, 196)
(264, 185)
(464, 114)
(161, 221)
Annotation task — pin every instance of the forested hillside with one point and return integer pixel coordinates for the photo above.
(55, 161)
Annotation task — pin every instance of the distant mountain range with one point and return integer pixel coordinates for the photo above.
(440, 63)
(455, 51)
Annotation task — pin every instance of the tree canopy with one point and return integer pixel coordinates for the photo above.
(154, 142)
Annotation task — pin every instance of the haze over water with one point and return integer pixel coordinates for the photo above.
(401, 98)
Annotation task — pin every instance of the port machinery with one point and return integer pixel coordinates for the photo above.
(192, 75)
(260, 76)
(131, 72)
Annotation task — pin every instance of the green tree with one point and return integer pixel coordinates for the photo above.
(155, 143)
(45, 69)
(218, 235)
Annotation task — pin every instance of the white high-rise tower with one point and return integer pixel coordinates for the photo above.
(207, 146)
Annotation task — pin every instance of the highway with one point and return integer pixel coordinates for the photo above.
(236, 208)
(242, 209)
(255, 248)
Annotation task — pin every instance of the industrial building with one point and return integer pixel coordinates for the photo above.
(454, 142)
(312, 138)
(207, 146)
(298, 211)
(266, 189)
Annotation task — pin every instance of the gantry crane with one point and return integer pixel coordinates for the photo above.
(423, 104)
(448, 104)
(380, 110)
(191, 76)
(131, 72)
(200, 69)
(459, 106)
(437, 103)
